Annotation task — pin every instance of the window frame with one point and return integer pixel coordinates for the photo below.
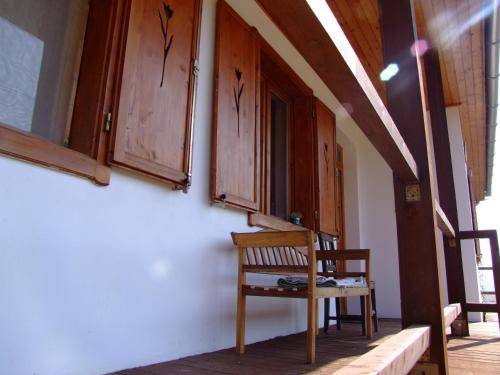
(270, 88)
(286, 84)
(19, 144)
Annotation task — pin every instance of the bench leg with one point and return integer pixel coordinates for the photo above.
(240, 323)
(312, 315)
(240, 308)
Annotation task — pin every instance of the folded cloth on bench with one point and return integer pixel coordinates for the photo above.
(301, 282)
(352, 282)
(322, 282)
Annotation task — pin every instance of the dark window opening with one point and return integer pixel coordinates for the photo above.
(279, 157)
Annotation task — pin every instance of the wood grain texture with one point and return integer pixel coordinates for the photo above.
(82, 159)
(325, 157)
(395, 356)
(153, 122)
(29, 147)
(450, 26)
(446, 208)
(473, 355)
(331, 56)
(290, 252)
(443, 223)
(236, 131)
(359, 20)
(452, 312)
(419, 259)
(303, 160)
(271, 222)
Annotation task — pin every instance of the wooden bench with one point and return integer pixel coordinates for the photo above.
(291, 253)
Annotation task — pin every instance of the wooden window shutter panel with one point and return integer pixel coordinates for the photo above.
(325, 157)
(153, 122)
(303, 160)
(236, 144)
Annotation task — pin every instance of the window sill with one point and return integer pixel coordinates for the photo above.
(272, 222)
(28, 147)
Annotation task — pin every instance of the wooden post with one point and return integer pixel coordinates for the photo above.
(446, 185)
(419, 260)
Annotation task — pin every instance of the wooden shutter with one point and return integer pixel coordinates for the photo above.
(236, 125)
(153, 129)
(325, 168)
(303, 160)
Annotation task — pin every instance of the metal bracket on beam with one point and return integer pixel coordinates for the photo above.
(412, 193)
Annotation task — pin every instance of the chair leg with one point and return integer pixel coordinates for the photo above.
(338, 313)
(312, 316)
(363, 315)
(375, 316)
(326, 322)
(368, 316)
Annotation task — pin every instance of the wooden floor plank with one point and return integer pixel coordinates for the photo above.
(478, 354)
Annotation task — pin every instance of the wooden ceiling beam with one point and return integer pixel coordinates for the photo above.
(327, 50)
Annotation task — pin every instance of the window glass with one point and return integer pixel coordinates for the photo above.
(41, 42)
(279, 157)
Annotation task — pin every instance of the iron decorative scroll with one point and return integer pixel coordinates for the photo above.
(238, 91)
(167, 43)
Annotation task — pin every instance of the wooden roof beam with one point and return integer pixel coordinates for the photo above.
(317, 35)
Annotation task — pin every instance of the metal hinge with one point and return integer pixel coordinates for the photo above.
(196, 68)
(412, 193)
(314, 113)
(316, 215)
(108, 120)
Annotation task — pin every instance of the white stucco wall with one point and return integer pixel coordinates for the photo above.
(95, 279)
(463, 205)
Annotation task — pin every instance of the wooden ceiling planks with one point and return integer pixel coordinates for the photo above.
(454, 28)
(359, 21)
(449, 27)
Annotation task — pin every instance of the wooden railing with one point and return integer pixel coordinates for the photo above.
(491, 235)
(402, 352)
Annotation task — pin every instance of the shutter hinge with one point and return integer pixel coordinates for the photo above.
(196, 68)
(108, 120)
(314, 113)
(316, 215)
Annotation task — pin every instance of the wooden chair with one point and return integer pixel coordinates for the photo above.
(328, 242)
(290, 253)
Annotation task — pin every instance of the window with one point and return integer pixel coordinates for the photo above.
(42, 60)
(273, 143)
(279, 157)
(82, 75)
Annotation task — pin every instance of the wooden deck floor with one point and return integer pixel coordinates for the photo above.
(477, 354)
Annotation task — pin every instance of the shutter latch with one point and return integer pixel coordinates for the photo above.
(196, 68)
(108, 119)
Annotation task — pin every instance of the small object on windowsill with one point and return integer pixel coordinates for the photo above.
(296, 218)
